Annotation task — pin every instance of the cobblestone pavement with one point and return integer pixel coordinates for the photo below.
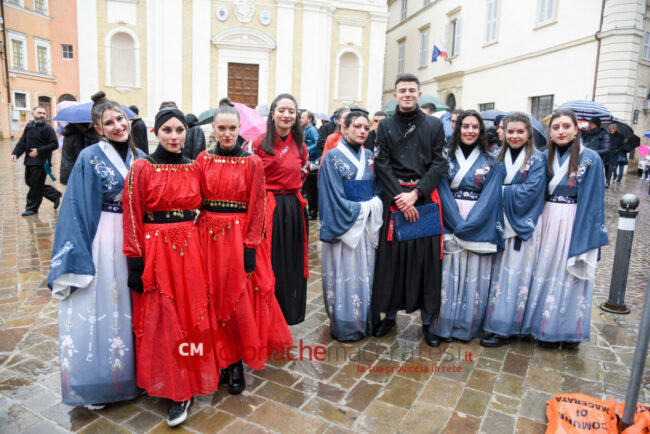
(370, 386)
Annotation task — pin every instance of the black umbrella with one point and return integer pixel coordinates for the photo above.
(623, 128)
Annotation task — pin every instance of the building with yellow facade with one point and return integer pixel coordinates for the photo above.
(326, 53)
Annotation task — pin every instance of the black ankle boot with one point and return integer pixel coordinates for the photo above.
(224, 376)
(236, 382)
(494, 341)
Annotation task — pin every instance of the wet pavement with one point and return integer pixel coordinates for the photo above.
(395, 383)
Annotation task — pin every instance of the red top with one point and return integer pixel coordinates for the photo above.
(155, 187)
(331, 142)
(236, 180)
(286, 170)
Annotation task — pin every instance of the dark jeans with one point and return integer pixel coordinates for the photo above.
(310, 189)
(608, 173)
(620, 167)
(35, 180)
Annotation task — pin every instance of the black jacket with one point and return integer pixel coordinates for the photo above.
(617, 146)
(370, 140)
(74, 141)
(40, 136)
(140, 136)
(325, 131)
(195, 139)
(409, 147)
(597, 140)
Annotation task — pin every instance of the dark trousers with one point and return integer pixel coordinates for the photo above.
(310, 189)
(35, 180)
(609, 171)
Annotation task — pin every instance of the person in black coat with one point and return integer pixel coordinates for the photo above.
(326, 130)
(37, 143)
(76, 137)
(195, 139)
(618, 157)
(372, 135)
(139, 132)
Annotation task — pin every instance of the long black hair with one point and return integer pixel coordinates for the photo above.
(481, 142)
(529, 146)
(271, 132)
(100, 105)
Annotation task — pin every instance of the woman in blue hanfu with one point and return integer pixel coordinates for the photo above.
(524, 171)
(351, 215)
(573, 231)
(88, 272)
(473, 220)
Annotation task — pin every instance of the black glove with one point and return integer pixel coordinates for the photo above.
(136, 268)
(249, 259)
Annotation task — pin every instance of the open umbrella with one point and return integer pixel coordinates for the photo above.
(647, 134)
(623, 128)
(321, 116)
(586, 110)
(79, 114)
(490, 116)
(252, 123)
(425, 98)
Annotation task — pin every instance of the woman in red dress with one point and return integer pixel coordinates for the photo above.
(175, 352)
(231, 228)
(284, 156)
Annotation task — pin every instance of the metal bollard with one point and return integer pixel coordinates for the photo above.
(626, 220)
(638, 363)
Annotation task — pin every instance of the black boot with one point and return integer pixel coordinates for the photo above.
(570, 345)
(429, 338)
(494, 341)
(383, 327)
(224, 376)
(236, 382)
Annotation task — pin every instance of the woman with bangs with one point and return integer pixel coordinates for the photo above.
(558, 310)
(524, 172)
(473, 220)
(88, 272)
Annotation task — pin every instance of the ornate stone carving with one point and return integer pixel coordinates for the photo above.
(244, 10)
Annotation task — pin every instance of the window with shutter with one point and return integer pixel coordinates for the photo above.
(491, 21)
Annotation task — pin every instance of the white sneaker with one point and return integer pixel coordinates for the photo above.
(178, 412)
(95, 407)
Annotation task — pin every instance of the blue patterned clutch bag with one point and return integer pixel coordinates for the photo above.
(426, 226)
(358, 190)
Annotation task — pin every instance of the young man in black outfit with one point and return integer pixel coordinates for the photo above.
(37, 143)
(409, 165)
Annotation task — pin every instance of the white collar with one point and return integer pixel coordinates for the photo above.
(359, 163)
(465, 164)
(513, 168)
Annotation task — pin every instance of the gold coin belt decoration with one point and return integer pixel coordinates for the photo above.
(177, 237)
(225, 204)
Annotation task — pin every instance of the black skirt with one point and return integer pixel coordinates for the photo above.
(408, 274)
(287, 257)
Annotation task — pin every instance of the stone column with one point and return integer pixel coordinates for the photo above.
(378, 23)
(285, 47)
(201, 18)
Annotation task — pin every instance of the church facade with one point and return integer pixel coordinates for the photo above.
(326, 53)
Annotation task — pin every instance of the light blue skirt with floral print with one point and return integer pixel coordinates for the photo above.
(559, 304)
(513, 273)
(347, 288)
(464, 294)
(96, 348)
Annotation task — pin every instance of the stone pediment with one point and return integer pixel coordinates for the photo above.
(244, 38)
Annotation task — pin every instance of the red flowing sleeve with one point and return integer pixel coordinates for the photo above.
(256, 203)
(133, 206)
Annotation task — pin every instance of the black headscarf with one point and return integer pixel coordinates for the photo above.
(166, 114)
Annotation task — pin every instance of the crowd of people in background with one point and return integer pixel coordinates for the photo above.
(206, 242)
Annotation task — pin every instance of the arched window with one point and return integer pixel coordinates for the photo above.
(123, 58)
(349, 77)
(451, 101)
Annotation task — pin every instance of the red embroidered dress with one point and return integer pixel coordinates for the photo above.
(232, 218)
(175, 351)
